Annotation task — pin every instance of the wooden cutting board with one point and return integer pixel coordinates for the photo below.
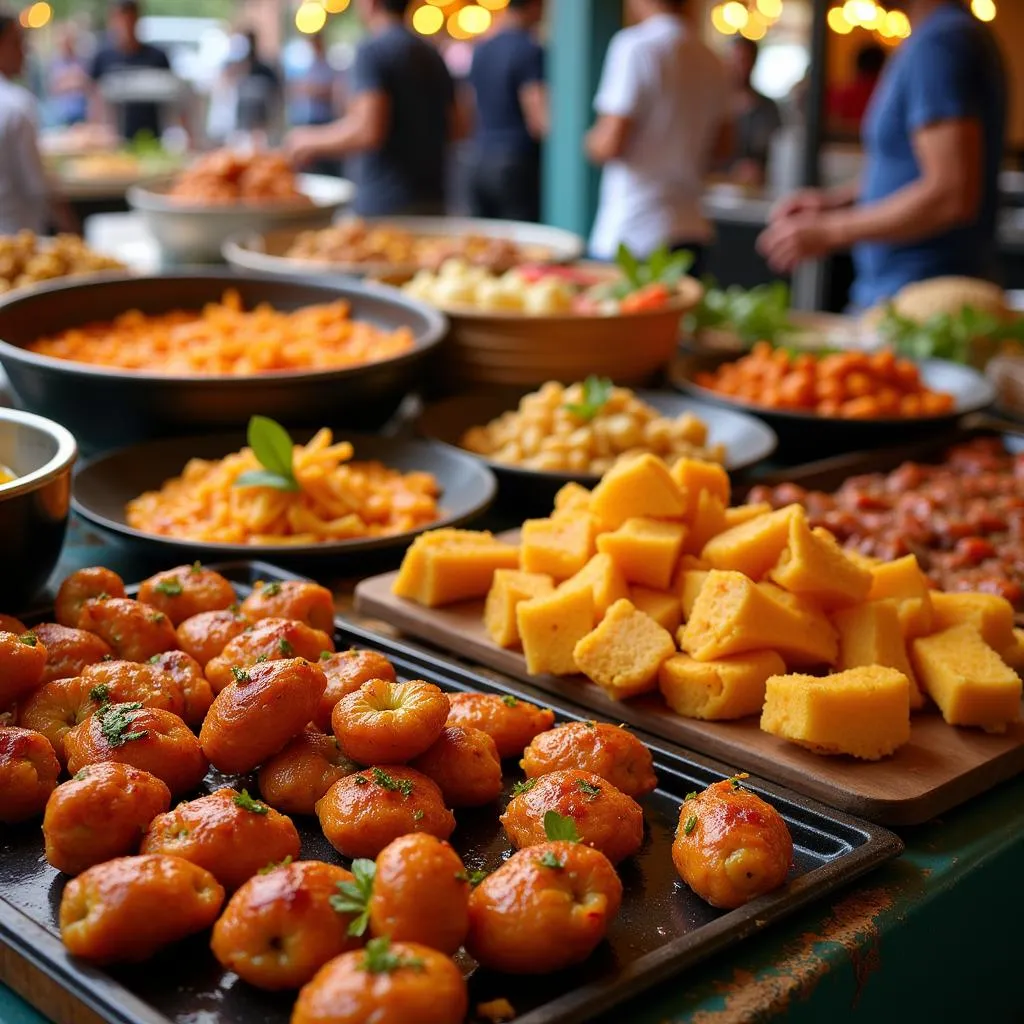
(939, 768)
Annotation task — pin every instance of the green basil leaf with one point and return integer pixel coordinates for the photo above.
(272, 445)
(628, 264)
(267, 478)
(558, 827)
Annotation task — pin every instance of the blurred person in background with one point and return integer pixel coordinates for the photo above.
(67, 81)
(509, 104)
(846, 104)
(663, 119)
(259, 99)
(315, 94)
(400, 118)
(928, 199)
(756, 118)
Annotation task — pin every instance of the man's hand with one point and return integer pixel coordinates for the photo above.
(303, 145)
(798, 238)
(803, 201)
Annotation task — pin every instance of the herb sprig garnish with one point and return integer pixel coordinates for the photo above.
(690, 824)
(596, 392)
(115, 723)
(273, 448)
(524, 786)
(386, 781)
(557, 827)
(509, 701)
(354, 897)
(474, 876)
(29, 639)
(549, 859)
(239, 674)
(100, 693)
(380, 958)
(248, 803)
(593, 791)
(270, 590)
(285, 647)
(170, 588)
(275, 864)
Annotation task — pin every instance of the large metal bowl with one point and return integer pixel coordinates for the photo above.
(189, 233)
(34, 506)
(107, 407)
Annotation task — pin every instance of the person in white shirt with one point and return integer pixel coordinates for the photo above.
(663, 117)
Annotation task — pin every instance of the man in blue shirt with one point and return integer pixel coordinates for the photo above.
(933, 137)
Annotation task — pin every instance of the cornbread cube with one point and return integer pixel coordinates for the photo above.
(444, 566)
(645, 550)
(753, 547)
(718, 690)
(662, 605)
(903, 582)
(813, 564)
(823, 649)
(1014, 656)
(693, 580)
(706, 522)
(640, 487)
(694, 476)
(551, 625)
(864, 561)
(602, 575)
(970, 683)
(510, 587)
(864, 712)
(990, 614)
(624, 652)
(740, 514)
(559, 547)
(572, 497)
(870, 634)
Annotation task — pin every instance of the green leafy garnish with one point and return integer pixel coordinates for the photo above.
(690, 824)
(81, 774)
(589, 788)
(417, 815)
(197, 567)
(386, 781)
(157, 617)
(752, 314)
(272, 446)
(589, 723)
(247, 803)
(172, 588)
(275, 864)
(692, 795)
(734, 780)
(100, 693)
(523, 786)
(556, 827)
(29, 639)
(326, 655)
(970, 335)
(115, 722)
(596, 392)
(240, 675)
(509, 701)
(155, 659)
(379, 958)
(285, 647)
(474, 876)
(663, 267)
(354, 897)
(270, 590)
(262, 658)
(549, 859)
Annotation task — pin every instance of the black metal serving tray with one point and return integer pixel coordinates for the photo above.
(661, 929)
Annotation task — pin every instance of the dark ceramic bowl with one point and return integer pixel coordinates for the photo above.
(34, 506)
(106, 407)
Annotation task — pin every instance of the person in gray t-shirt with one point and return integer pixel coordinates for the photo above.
(401, 115)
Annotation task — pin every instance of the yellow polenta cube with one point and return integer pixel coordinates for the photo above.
(693, 580)
(639, 487)
(624, 652)
(753, 547)
(662, 605)
(551, 625)
(645, 550)
(1014, 656)
(694, 476)
(572, 497)
(707, 521)
(603, 577)
(870, 634)
(990, 614)
(813, 564)
(740, 514)
(970, 683)
(819, 644)
(445, 566)
(559, 547)
(864, 712)
(903, 582)
(718, 690)
(509, 589)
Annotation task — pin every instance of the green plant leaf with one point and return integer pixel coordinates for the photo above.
(628, 264)
(354, 897)
(266, 478)
(272, 446)
(558, 827)
(596, 392)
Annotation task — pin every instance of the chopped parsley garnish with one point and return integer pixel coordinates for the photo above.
(326, 655)
(197, 567)
(285, 647)
(558, 827)
(100, 693)
(549, 859)
(29, 639)
(240, 675)
(234, 608)
(155, 659)
(83, 774)
(157, 617)
(274, 865)
(270, 590)
(734, 780)
(590, 723)
(247, 803)
(362, 780)
(170, 587)
(262, 658)
(690, 824)
(354, 897)
(589, 788)
(379, 958)
(523, 786)
(417, 815)
(509, 701)
(474, 876)
(692, 795)
(596, 392)
(386, 781)
(115, 723)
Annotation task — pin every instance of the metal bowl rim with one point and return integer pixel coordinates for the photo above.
(147, 199)
(61, 463)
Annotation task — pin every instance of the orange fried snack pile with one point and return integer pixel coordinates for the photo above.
(338, 500)
(224, 177)
(850, 385)
(224, 339)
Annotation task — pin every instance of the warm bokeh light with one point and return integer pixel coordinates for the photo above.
(983, 10)
(838, 23)
(897, 25)
(756, 27)
(493, 5)
(735, 14)
(859, 12)
(38, 15)
(427, 20)
(718, 20)
(770, 8)
(310, 18)
(474, 20)
(455, 30)
(336, 6)
(440, 3)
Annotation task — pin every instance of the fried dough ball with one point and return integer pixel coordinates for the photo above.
(28, 773)
(386, 983)
(188, 675)
(255, 716)
(280, 928)
(125, 910)
(22, 663)
(134, 631)
(546, 908)
(346, 671)
(204, 636)
(731, 845)
(186, 591)
(464, 763)
(389, 723)
(85, 585)
(605, 818)
(68, 650)
(121, 682)
(509, 721)
(297, 777)
(155, 741)
(292, 599)
(361, 813)
(9, 624)
(269, 640)
(57, 707)
(229, 833)
(99, 814)
(420, 893)
(610, 751)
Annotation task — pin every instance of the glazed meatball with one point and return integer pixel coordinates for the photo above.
(155, 741)
(269, 640)
(292, 599)
(82, 586)
(605, 818)
(296, 778)
(361, 813)
(387, 983)
(68, 650)
(125, 910)
(186, 591)
(56, 708)
(9, 624)
(731, 845)
(99, 814)
(22, 663)
(187, 674)
(280, 928)
(546, 908)
(389, 723)
(123, 682)
(346, 671)
(256, 715)
(205, 636)
(610, 751)
(420, 893)
(464, 762)
(28, 773)
(228, 833)
(509, 721)
(134, 631)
